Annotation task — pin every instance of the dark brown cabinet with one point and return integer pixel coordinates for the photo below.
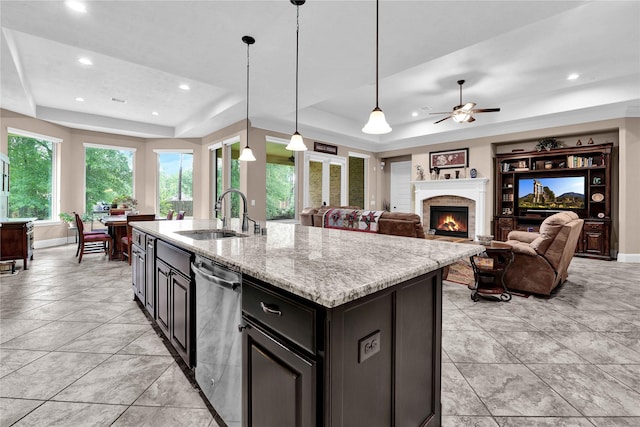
(374, 361)
(591, 164)
(163, 274)
(16, 240)
(174, 297)
(594, 240)
(150, 286)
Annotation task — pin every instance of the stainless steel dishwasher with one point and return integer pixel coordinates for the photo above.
(218, 367)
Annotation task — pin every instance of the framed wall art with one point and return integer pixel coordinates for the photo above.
(449, 159)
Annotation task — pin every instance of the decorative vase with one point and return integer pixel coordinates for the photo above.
(474, 173)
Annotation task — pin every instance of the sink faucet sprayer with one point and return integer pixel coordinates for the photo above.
(245, 215)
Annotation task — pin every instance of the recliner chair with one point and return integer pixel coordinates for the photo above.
(541, 259)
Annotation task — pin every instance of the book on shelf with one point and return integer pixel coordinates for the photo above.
(521, 169)
(580, 162)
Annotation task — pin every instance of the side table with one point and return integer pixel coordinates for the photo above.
(489, 269)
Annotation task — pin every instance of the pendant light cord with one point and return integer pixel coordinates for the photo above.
(377, 13)
(297, 43)
(247, 125)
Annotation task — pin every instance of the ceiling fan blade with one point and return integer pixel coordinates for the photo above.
(441, 120)
(471, 119)
(485, 110)
(444, 112)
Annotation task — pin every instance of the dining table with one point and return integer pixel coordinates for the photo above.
(117, 229)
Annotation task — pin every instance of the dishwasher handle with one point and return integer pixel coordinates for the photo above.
(199, 268)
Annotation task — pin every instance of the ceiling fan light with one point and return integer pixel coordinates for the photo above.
(247, 155)
(461, 116)
(296, 143)
(377, 124)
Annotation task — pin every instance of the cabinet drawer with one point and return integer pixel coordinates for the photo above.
(176, 258)
(505, 222)
(139, 239)
(593, 226)
(284, 316)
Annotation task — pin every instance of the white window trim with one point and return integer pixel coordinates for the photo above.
(55, 173)
(359, 155)
(214, 146)
(108, 147)
(168, 150)
(232, 140)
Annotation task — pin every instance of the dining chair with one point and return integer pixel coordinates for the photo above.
(170, 215)
(101, 231)
(91, 241)
(126, 241)
(180, 215)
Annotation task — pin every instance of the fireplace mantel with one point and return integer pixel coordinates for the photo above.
(472, 188)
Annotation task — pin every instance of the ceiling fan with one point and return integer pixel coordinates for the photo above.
(464, 113)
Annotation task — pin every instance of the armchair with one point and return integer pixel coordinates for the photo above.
(541, 259)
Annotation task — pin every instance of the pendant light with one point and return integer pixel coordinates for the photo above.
(377, 124)
(297, 143)
(247, 155)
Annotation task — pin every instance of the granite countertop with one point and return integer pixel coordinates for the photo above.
(327, 266)
(18, 220)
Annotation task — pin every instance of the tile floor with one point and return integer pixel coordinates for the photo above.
(76, 350)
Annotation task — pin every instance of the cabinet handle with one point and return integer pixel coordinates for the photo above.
(270, 309)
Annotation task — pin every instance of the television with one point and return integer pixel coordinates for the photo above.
(556, 193)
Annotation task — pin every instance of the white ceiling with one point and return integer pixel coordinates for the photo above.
(513, 54)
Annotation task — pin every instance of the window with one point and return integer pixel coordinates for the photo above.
(235, 179)
(280, 181)
(175, 182)
(33, 175)
(358, 165)
(108, 174)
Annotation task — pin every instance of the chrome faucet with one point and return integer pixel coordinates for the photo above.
(245, 215)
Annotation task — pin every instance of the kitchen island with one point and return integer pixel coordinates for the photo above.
(339, 328)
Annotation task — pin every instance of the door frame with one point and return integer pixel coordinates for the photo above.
(326, 160)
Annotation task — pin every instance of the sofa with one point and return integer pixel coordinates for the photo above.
(393, 223)
(541, 259)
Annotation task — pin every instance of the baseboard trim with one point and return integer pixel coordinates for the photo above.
(60, 241)
(634, 258)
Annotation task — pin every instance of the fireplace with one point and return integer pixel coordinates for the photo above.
(450, 221)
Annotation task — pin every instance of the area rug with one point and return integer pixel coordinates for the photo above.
(462, 273)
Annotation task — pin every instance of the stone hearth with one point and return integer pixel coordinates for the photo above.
(451, 192)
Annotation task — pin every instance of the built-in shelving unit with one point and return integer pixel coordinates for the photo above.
(592, 162)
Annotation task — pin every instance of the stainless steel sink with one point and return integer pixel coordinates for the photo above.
(209, 234)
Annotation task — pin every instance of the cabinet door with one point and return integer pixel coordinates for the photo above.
(279, 384)
(150, 286)
(181, 315)
(138, 273)
(163, 274)
(593, 238)
(503, 227)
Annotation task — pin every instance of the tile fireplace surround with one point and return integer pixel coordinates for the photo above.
(471, 192)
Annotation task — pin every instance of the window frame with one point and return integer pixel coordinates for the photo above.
(55, 170)
(159, 151)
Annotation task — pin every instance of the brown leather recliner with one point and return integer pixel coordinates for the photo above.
(541, 259)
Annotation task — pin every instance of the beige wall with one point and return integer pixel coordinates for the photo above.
(624, 133)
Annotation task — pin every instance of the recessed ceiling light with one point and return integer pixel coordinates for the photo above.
(77, 6)
(155, 113)
(414, 114)
(184, 87)
(573, 76)
(80, 99)
(85, 61)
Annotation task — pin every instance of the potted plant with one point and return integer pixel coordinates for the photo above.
(68, 218)
(124, 202)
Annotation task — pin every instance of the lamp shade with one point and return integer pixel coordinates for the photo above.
(296, 143)
(247, 155)
(377, 123)
(461, 115)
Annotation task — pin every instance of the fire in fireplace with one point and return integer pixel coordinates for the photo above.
(450, 220)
